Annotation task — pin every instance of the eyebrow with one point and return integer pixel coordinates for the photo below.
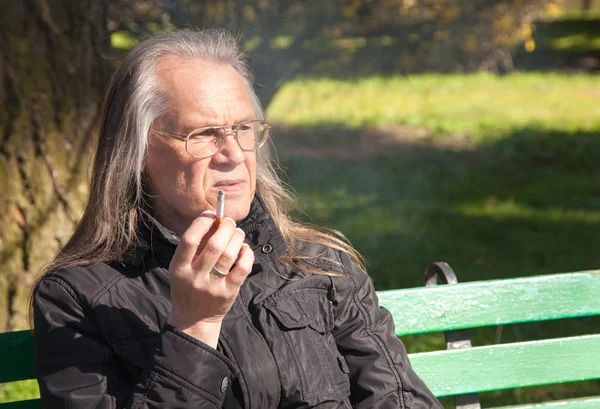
(244, 119)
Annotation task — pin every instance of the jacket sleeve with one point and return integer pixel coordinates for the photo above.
(380, 373)
(76, 368)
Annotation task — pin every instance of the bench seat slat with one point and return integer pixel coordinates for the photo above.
(504, 366)
(16, 356)
(493, 302)
(581, 403)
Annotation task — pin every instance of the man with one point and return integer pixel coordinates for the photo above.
(155, 304)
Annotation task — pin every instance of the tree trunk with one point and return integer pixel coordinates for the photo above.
(53, 71)
(586, 5)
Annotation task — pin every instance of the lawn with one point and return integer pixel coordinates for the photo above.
(497, 175)
(481, 107)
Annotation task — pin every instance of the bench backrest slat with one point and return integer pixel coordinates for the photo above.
(16, 356)
(493, 302)
(504, 366)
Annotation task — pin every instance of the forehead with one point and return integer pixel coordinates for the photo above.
(203, 92)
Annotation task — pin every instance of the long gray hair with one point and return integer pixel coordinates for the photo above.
(108, 227)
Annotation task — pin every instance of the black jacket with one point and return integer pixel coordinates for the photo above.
(291, 339)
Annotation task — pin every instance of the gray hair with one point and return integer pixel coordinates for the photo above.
(134, 100)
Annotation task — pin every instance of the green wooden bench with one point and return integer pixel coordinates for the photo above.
(461, 370)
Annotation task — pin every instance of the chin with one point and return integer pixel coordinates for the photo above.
(239, 215)
(240, 211)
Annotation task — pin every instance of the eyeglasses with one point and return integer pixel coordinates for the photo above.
(205, 142)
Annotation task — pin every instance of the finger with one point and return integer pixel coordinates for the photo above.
(242, 268)
(214, 246)
(192, 237)
(231, 252)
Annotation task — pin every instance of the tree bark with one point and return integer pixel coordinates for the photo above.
(53, 71)
(586, 5)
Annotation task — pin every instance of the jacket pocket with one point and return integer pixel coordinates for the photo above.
(300, 323)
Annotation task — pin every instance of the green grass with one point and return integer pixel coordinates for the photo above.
(506, 185)
(577, 42)
(17, 391)
(480, 107)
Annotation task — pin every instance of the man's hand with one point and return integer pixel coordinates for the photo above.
(200, 297)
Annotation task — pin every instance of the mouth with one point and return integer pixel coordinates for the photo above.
(232, 185)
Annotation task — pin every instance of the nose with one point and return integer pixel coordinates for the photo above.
(229, 150)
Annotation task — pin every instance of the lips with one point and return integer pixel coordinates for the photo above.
(225, 183)
(231, 186)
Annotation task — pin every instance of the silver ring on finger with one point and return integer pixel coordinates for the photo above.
(218, 272)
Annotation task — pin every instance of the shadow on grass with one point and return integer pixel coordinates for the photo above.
(526, 204)
(565, 44)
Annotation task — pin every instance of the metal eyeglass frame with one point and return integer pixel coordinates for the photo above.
(229, 130)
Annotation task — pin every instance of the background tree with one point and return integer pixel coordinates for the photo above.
(53, 71)
(286, 38)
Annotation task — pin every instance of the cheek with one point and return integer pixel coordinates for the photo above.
(164, 169)
(195, 177)
(155, 162)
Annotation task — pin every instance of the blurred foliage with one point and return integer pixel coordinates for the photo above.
(348, 37)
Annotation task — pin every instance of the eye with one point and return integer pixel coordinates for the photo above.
(206, 133)
(244, 127)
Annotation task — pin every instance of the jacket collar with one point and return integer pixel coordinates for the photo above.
(262, 235)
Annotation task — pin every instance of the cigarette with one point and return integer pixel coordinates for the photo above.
(220, 206)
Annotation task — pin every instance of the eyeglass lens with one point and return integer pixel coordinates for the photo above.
(207, 141)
